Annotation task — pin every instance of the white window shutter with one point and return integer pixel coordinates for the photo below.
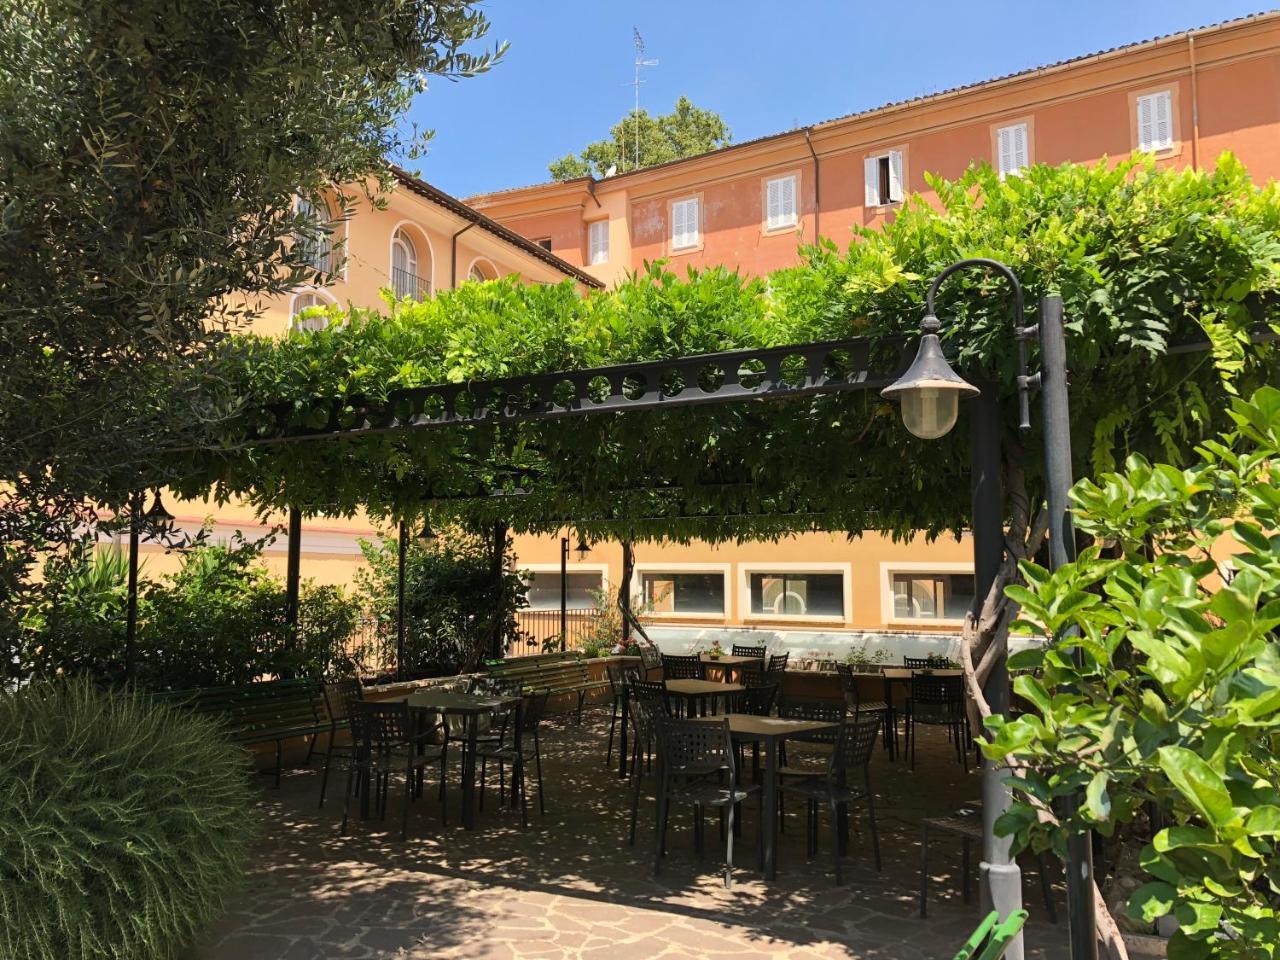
(773, 204)
(693, 222)
(1163, 120)
(895, 176)
(1021, 153)
(790, 208)
(677, 224)
(1004, 150)
(871, 176)
(598, 241)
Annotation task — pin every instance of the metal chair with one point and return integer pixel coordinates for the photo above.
(757, 651)
(855, 741)
(696, 766)
(937, 701)
(916, 663)
(506, 752)
(618, 674)
(682, 667)
(857, 706)
(389, 736)
(821, 711)
(778, 662)
(338, 697)
(647, 704)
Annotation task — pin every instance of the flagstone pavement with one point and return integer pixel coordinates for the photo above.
(569, 886)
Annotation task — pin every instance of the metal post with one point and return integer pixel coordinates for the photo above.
(1001, 876)
(564, 592)
(131, 615)
(402, 537)
(1062, 549)
(498, 645)
(293, 568)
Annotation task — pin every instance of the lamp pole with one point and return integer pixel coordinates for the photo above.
(564, 592)
(131, 609)
(930, 392)
(402, 536)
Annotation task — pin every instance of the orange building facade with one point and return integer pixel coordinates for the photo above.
(1183, 98)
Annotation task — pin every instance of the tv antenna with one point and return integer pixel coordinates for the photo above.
(640, 62)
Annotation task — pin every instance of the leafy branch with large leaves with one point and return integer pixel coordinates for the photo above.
(1160, 701)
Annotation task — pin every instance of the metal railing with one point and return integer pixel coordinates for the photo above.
(406, 284)
(539, 631)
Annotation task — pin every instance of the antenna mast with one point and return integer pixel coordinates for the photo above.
(640, 62)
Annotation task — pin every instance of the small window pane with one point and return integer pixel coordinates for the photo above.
(544, 590)
(683, 592)
(932, 596)
(598, 241)
(797, 594)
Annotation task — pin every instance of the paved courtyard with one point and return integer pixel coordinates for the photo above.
(570, 886)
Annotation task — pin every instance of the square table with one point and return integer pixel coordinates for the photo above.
(472, 706)
(698, 692)
(749, 728)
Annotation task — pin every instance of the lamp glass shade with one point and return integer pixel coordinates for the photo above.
(930, 412)
(582, 549)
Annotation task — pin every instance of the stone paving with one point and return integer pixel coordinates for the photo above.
(569, 886)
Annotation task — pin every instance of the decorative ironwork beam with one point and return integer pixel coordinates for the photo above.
(807, 369)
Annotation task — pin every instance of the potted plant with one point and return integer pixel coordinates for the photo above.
(715, 651)
(863, 661)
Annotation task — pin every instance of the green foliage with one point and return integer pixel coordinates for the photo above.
(453, 604)
(151, 157)
(1177, 700)
(684, 132)
(123, 824)
(219, 620)
(1141, 256)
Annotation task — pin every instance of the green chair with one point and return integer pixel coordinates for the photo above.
(992, 938)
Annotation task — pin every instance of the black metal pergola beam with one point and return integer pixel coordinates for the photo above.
(800, 370)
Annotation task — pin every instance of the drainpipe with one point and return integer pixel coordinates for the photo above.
(453, 256)
(1195, 104)
(817, 184)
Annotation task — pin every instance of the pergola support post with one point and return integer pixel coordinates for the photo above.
(402, 538)
(291, 578)
(1001, 876)
(497, 646)
(131, 613)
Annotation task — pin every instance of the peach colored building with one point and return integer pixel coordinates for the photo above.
(1185, 98)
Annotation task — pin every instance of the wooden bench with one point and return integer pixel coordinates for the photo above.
(556, 673)
(266, 712)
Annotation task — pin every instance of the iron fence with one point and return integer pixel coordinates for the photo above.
(539, 631)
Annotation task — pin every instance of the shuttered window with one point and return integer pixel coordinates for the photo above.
(598, 241)
(1155, 121)
(780, 203)
(884, 178)
(684, 224)
(1011, 145)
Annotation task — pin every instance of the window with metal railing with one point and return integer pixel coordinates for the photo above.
(405, 279)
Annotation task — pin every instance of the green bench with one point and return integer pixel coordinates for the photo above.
(992, 938)
(265, 712)
(557, 673)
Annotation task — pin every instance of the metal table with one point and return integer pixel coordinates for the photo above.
(749, 728)
(732, 665)
(472, 706)
(697, 692)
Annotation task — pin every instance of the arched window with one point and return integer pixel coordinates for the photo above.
(482, 270)
(317, 249)
(307, 312)
(406, 278)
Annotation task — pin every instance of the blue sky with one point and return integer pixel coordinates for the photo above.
(764, 65)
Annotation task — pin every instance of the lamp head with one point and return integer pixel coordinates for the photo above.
(582, 549)
(930, 391)
(426, 534)
(158, 514)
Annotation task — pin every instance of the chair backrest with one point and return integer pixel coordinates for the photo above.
(757, 651)
(849, 684)
(533, 709)
(778, 662)
(338, 697)
(932, 689)
(693, 748)
(650, 692)
(682, 667)
(381, 726)
(650, 656)
(823, 711)
(855, 744)
(915, 663)
(759, 678)
(758, 700)
(618, 673)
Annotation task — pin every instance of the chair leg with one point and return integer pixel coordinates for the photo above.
(728, 849)
(871, 816)
(279, 748)
(537, 763)
(635, 793)
(346, 804)
(324, 778)
(660, 834)
(444, 806)
(482, 773)
(1042, 868)
(835, 841)
(966, 882)
(408, 796)
(613, 722)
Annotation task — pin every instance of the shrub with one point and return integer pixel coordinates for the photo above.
(123, 824)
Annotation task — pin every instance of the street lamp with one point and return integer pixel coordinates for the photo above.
(582, 549)
(929, 393)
